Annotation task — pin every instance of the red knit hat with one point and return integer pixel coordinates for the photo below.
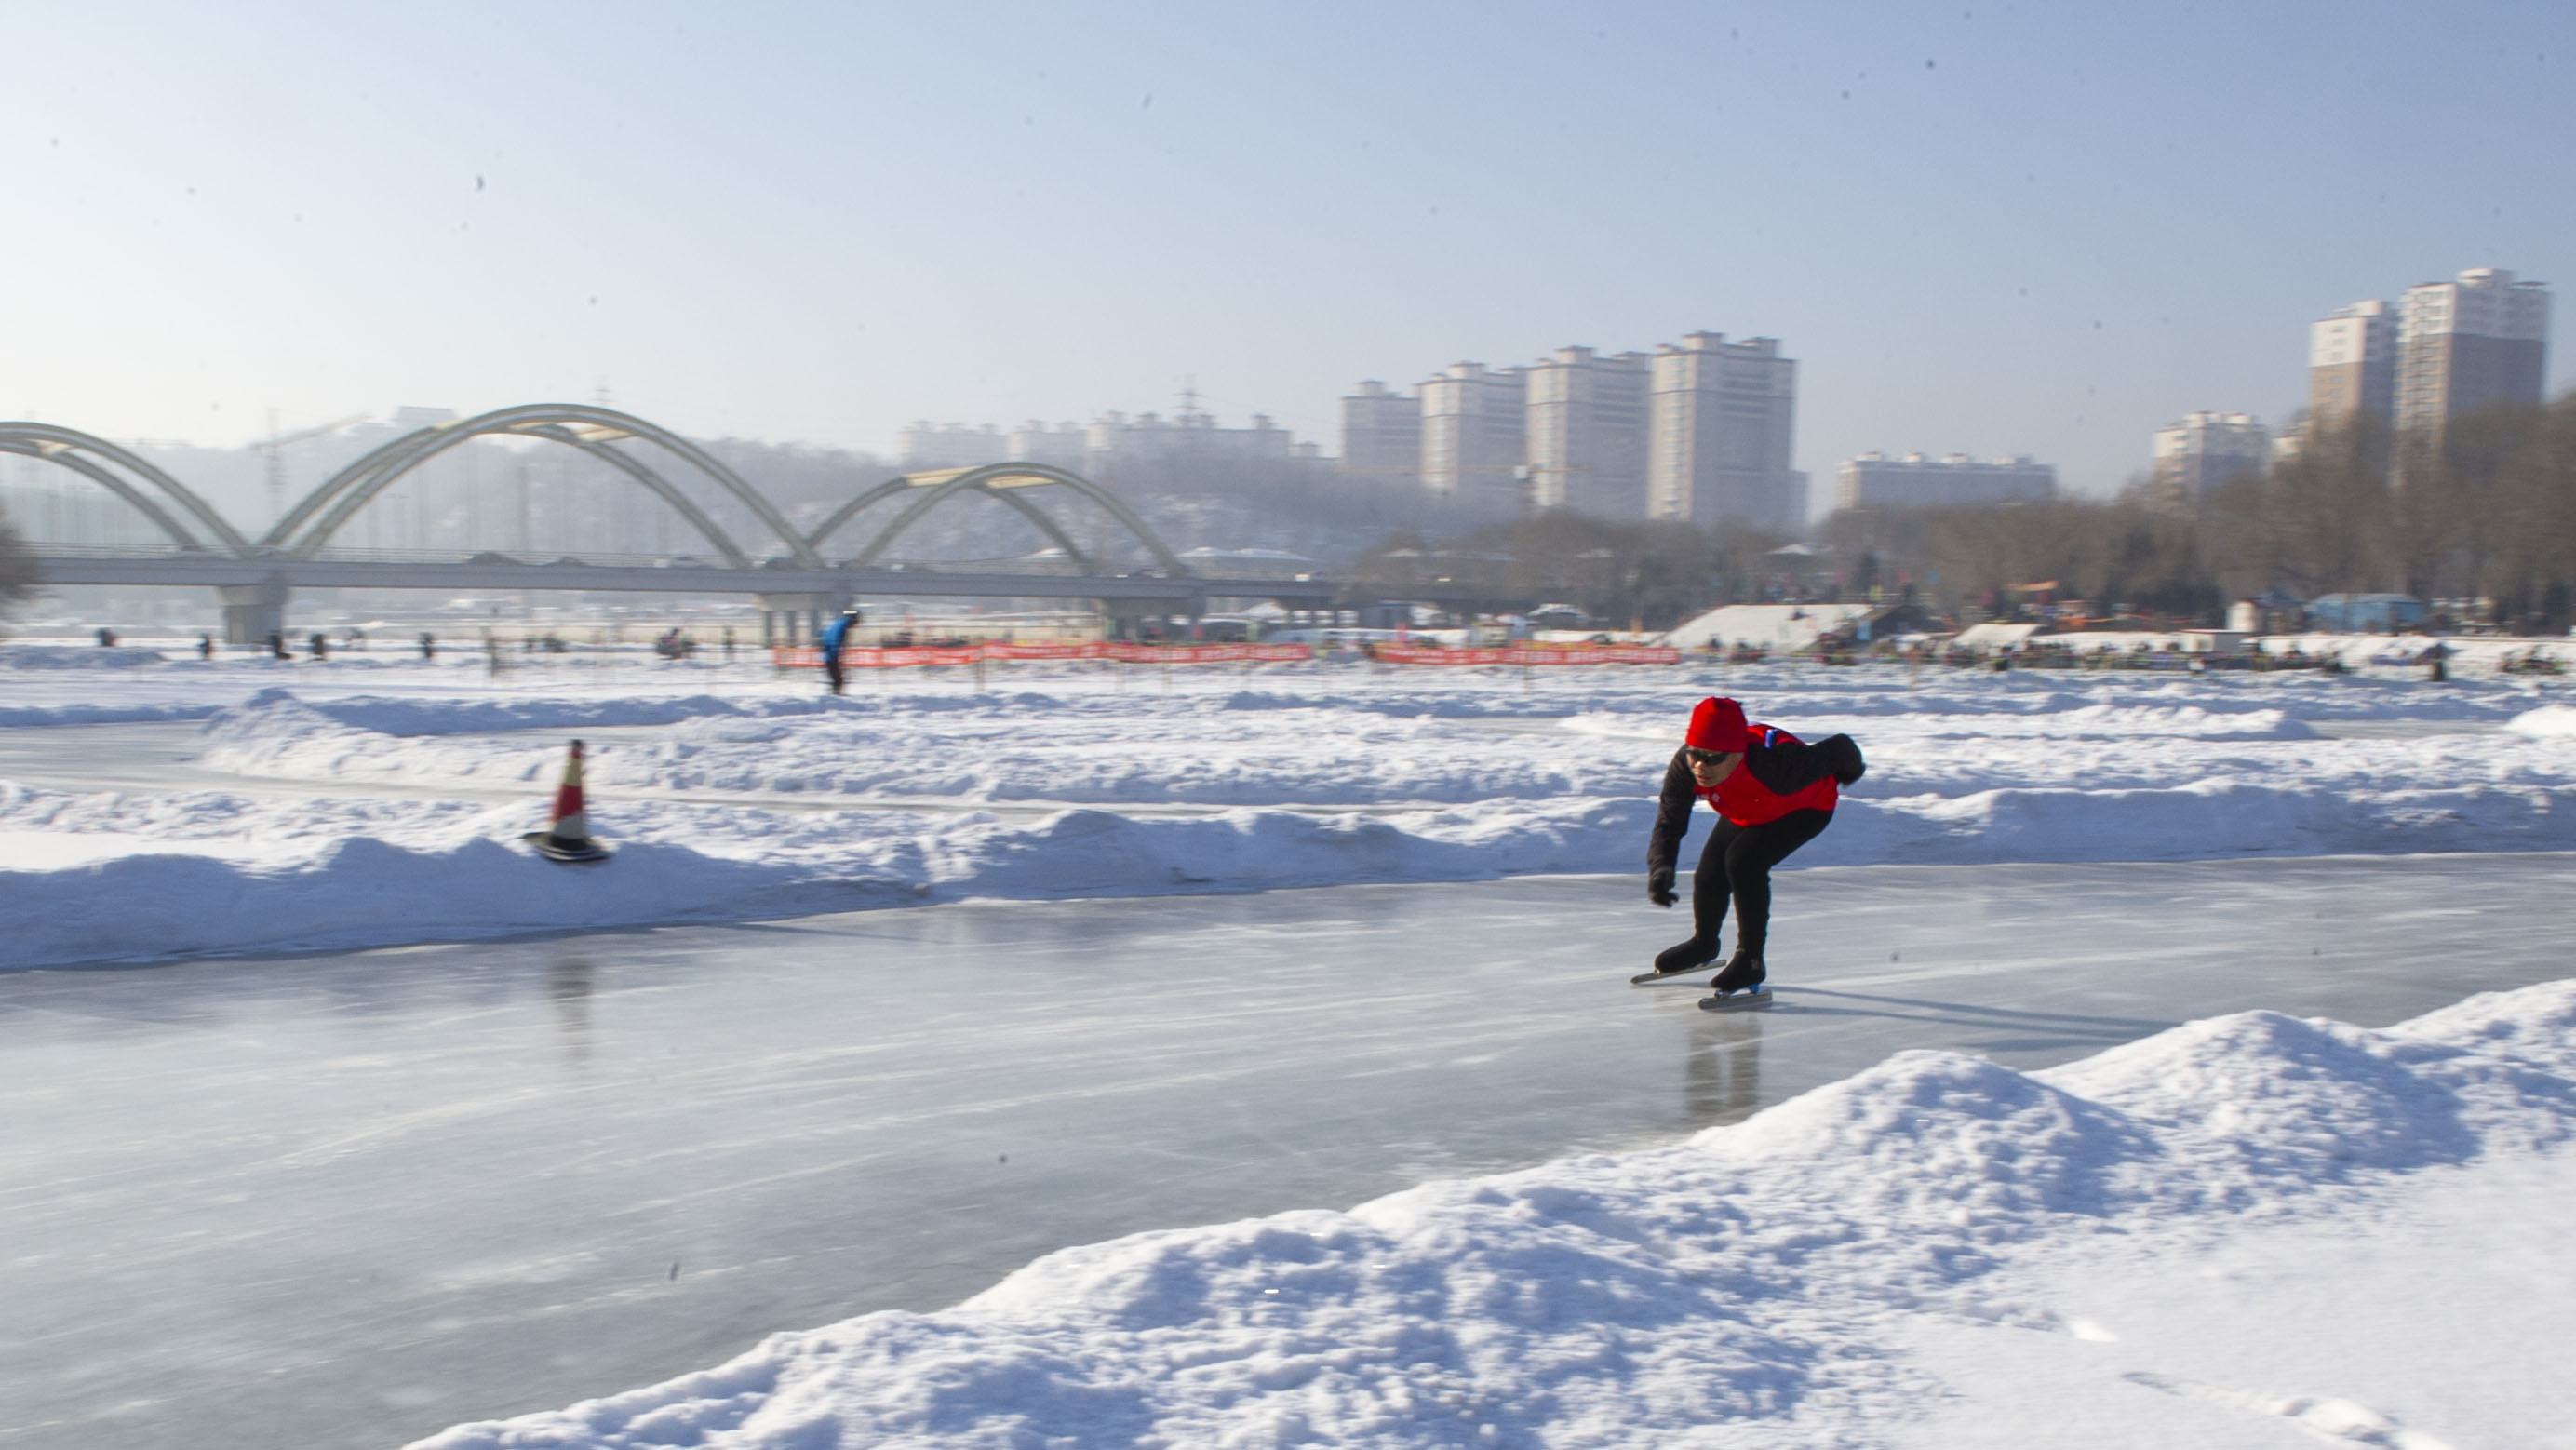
(1717, 724)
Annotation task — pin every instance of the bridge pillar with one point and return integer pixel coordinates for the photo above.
(779, 615)
(253, 612)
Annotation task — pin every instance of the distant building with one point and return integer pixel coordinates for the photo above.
(2352, 363)
(1117, 444)
(1875, 480)
(1473, 429)
(1059, 445)
(1721, 416)
(2470, 343)
(2204, 450)
(1111, 443)
(1586, 432)
(953, 445)
(1382, 437)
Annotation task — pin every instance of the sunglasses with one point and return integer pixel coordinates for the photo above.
(1697, 756)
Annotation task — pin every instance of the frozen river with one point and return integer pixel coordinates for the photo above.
(342, 1201)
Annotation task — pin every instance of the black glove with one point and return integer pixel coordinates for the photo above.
(1659, 886)
(1848, 765)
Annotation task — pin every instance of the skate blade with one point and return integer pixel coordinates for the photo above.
(1751, 999)
(1648, 979)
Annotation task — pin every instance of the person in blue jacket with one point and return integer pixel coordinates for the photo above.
(836, 635)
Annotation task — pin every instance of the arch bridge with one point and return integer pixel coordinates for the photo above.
(254, 578)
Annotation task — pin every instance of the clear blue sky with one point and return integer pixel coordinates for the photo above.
(2040, 228)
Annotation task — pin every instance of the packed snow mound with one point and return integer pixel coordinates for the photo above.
(79, 657)
(111, 877)
(1767, 1282)
(2549, 722)
(772, 805)
(14, 716)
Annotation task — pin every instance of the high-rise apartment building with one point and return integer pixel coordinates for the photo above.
(2201, 451)
(1586, 428)
(1875, 480)
(1720, 419)
(1473, 428)
(1119, 447)
(2469, 343)
(1382, 437)
(2352, 363)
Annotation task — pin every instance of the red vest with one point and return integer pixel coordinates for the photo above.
(1748, 802)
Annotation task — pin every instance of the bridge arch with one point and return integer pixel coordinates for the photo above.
(312, 523)
(107, 465)
(1002, 481)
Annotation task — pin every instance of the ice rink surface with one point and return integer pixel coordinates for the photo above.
(344, 1200)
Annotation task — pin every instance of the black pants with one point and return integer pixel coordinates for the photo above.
(1736, 863)
(832, 672)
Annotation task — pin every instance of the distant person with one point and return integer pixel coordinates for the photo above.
(205, 646)
(836, 637)
(1773, 794)
(277, 645)
(428, 645)
(319, 647)
(106, 637)
(728, 644)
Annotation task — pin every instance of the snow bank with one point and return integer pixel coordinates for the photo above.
(767, 804)
(1772, 1283)
(2549, 722)
(108, 877)
(79, 657)
(124, 713)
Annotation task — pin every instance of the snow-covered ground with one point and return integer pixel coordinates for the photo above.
(1076, 782)
(2252, 1230)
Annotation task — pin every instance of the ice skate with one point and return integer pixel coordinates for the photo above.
(1676, 961)
(1739, 986)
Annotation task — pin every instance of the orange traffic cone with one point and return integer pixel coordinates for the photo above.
(568, 839)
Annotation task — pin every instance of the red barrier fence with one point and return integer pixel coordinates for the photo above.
(1590, 654)
(810, 657)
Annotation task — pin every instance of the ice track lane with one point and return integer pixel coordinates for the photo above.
(344, 1201)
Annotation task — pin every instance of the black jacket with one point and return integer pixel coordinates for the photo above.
(1783, 768)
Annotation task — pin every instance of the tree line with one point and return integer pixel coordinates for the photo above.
(2482, 512)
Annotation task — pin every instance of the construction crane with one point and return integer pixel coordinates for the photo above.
(275, 446)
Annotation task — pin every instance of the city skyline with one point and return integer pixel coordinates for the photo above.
(806, 224)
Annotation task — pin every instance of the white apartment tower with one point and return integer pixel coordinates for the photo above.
(1472, 435)
(2201, 451)
(1719, 433)
(2352, 363)
(2470, 343)
(1382, 436)
(1586, 432)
